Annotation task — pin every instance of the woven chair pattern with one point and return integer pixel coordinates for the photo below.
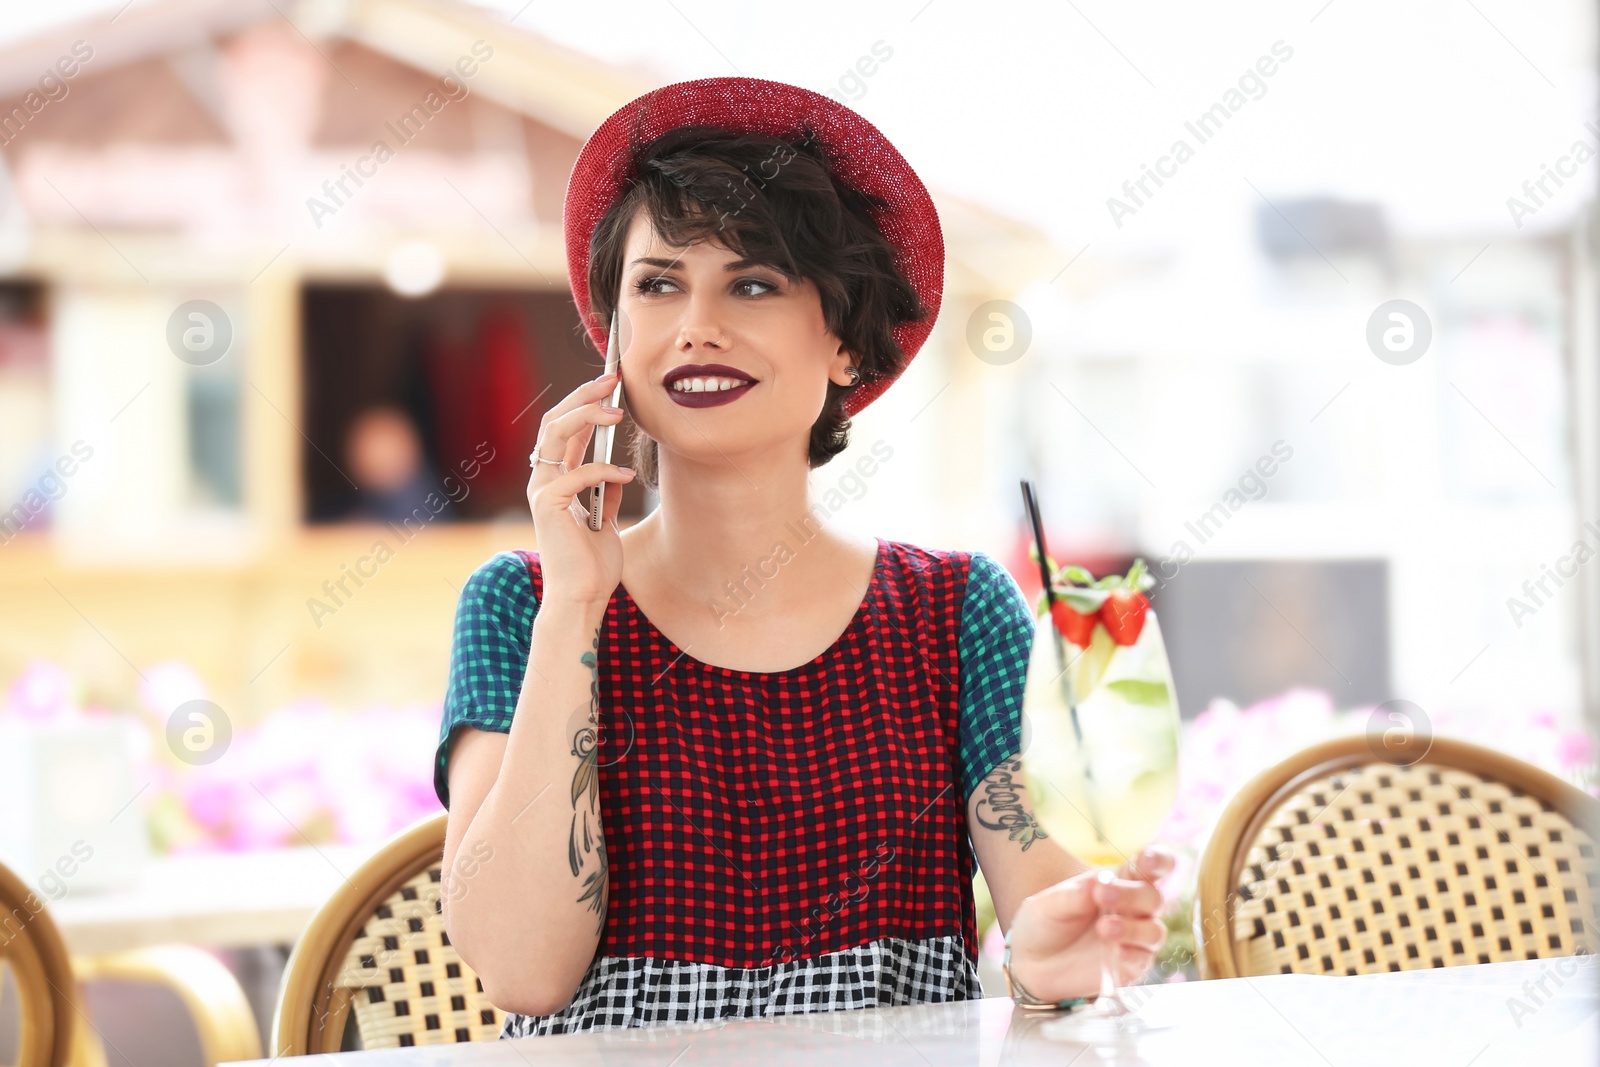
(1386, 868)
(409, 985)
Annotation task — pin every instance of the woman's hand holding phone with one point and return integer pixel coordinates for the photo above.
(579, 565)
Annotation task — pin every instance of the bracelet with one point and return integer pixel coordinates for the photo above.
(1025, 999)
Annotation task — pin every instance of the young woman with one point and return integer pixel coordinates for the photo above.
(732, 761)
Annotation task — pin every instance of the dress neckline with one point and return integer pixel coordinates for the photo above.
(879, 561)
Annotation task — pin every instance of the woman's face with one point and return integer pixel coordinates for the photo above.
(701, 305)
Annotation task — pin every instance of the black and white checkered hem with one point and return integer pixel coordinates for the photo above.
(631, 991)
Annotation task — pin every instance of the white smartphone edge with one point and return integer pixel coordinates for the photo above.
(604, 436)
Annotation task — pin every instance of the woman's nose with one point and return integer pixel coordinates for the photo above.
(700, 324)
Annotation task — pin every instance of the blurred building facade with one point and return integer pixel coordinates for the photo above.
(228, 237)
(1220, 408)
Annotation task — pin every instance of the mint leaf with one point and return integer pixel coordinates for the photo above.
(1139, 691)
(1083, 601)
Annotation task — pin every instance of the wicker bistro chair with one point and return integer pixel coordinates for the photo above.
(50, 1008)
(56, 1031)
(1350, 858)
(379, 946)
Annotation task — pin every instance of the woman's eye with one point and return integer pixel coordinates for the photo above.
(741, 287)
(648, 285)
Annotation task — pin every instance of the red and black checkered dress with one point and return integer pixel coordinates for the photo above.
(784, 841)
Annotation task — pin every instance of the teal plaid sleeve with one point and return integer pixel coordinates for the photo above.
(488, 654)
(996, 638)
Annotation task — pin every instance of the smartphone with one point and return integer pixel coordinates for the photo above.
(606, 434)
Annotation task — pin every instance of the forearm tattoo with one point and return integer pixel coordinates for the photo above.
(590, 836)
(1001, 796)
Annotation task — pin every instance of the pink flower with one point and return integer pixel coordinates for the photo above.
(1574, 749)
(41, 692)
(1173, 885)
(994, 942)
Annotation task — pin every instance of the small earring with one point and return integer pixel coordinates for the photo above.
(855, 375)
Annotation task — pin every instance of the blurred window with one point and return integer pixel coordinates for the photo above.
(26, 448)
(429, 406)
(211, 406)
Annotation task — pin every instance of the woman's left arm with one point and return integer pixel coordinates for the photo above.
(1058, 917)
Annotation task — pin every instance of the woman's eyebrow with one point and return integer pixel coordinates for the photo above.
(738, 264)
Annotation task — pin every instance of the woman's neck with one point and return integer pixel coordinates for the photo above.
(737, 527)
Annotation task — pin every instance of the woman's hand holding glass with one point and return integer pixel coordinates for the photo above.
(579, 564)
(1060, 935)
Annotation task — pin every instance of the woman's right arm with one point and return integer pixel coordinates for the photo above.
(525, 883)
(525, 873)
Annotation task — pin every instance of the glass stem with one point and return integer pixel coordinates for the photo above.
(1109, 1002)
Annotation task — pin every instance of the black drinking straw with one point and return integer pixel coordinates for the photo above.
(1031, 503)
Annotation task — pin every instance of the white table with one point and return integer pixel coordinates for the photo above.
(215, 900)
(1449, 1017)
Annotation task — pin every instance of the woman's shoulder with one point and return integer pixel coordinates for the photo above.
(968, 564)
(505, 578)
(971, 582)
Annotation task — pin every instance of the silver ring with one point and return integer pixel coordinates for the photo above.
(534, 457)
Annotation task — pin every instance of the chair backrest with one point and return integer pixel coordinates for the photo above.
(42, 970)
(1350, 857)
(379, 947)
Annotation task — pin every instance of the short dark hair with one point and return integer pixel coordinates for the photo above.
(776, 201)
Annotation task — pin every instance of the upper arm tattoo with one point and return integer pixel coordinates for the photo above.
(1001, 795)
(586, 780)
